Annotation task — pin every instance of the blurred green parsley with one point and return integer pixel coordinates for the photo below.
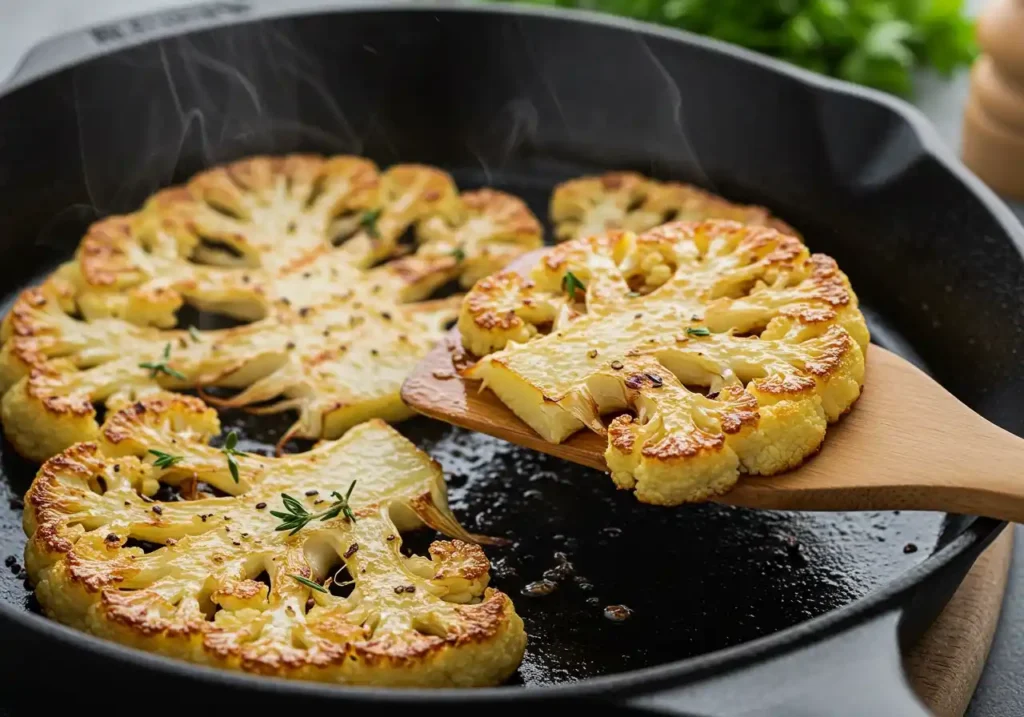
(878, 43)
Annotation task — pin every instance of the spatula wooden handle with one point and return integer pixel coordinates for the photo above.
(907, 444)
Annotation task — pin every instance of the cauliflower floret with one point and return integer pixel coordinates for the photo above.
(625, 200)
(746, 315)
(400, 621)
(493, 229)
(297, 246)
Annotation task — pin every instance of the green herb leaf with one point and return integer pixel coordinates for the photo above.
(165, 460)
(161, 367)
(368, 222)
(229, 450)
(571, 284)
(698, 331)
(459, 254)
(158, 367)
(310, 584)
(879, 43)
(297, 517)
(194, 333)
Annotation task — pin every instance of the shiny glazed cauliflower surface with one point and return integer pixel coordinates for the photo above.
(719, 348)
(214, 580)
(310, 251)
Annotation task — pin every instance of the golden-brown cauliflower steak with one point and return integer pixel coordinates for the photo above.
(408, 621)
(625, 200)
(731, 347)
(293, 245)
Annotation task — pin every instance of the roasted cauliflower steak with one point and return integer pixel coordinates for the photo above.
(309, 251)
(626, 200)
(215, 580)
(718, 348)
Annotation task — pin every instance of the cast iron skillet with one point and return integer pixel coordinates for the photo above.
(735, 612)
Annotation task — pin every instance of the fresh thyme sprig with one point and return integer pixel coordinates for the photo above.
(309, 583)
(194, 333)
(459, 254)
(368, 222)
(698, 331)
(165, 460)
(572, 284)
(156, 367)
(229, 450)
(297, 517)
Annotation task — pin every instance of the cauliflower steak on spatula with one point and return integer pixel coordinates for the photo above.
(296, 572)
(715, 348)
(310, 252)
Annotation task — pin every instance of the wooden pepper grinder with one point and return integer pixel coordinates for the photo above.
(993, 134)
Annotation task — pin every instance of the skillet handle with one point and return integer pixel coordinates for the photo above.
(854, 673)
(68, 49)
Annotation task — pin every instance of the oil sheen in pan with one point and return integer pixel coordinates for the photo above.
(696, 578)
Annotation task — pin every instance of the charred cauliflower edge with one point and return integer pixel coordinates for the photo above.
(308, 250)
(311, 252)
(719, 348)
(215, 580)
(627, 200)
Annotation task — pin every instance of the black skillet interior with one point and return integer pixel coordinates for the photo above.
(520, 103)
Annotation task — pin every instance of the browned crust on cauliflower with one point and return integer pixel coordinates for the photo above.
(592, 205)
(767, 333)
(305, 248)
(410, 621)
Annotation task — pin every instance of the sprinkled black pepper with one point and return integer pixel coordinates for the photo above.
(112, 538)
(410, 588)
(261, 505)
(158, 510)
(909, 548)
(399, 589)
(391, 537)
(351, 550)
(655, 379)
(592, 353)
(374, 352)
(385, 315)
(638, 316)
(290, 345)
(617, 365)
(310, 493)
(304, 311)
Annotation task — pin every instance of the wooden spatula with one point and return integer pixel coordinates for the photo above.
(907, 444)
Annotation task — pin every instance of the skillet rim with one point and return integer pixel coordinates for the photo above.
(891, 597)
